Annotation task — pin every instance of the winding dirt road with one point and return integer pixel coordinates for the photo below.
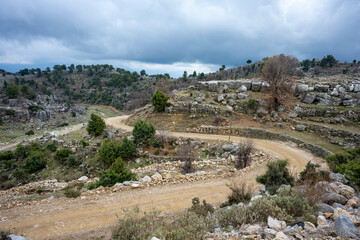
(52, 219)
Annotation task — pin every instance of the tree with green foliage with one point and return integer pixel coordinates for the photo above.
(202, 75)
(277, 174)
(354, 61)
(109, 151)
(61, 155)
(328, 61)
(305, 64)
(185, 78)
(117, 173)
(127, 149)
(222, 68)
(143, 132)
(12, 91)
(249, 61)
(143, 72)
(35, 162)
(96, 125)
(194, 74)
(159, 101)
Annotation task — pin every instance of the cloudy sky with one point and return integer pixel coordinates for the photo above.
(174, 35)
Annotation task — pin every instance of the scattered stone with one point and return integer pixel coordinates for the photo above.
(156, 177)
(145, 179)
(281, 236)
(83, 179)
(14, 237)
(325, 208)
(300, 128)
(334, 197)
(252, 229)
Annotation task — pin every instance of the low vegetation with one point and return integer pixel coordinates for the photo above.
(96, 125)
(244, 154)
(143, 132)
(277, 174)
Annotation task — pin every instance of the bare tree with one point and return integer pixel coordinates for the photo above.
(187, 156)
(279, 72)
(244, 154)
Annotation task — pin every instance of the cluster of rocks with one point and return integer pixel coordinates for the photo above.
(330, 94)
(43, 108)
(228, 85)
(341, 220)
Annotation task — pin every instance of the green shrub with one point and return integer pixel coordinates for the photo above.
(251, 104)
(240, 192)
(159, 101)
(71, 193)
(96, 125)
(127, 149)
(22, 151)
(10, 112)
(143, 132)
(20, 174)
(51, 147)
(35, 162)
(12, 91)
(61, 155)
(30, 132)
(83, 143)
(34, 107)
(287, 206)
(6, 155)
(80, 186)
(116, 173)
(138, 225)
(71, 161)
(1, 121)
(109, 151)
(201, 209)
(347, 163)
(277, 174)
(64, 124)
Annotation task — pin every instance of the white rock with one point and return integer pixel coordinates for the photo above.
(281, 236)
(156, 177)
(135, 185)
(154, 238)
(83, 179)
(276, 224)
(145, 179)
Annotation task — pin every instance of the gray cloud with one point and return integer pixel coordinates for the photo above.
(160, 33)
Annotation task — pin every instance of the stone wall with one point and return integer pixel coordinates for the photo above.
(214, 86)
(261, 134)
(327, 112)
(336, 136)
(198, 109)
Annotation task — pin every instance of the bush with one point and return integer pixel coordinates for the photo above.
(35, 162)
(83, 143)
(116, 173)
(61, 155)
(276, 175)
(244, 154)
(71, 161)
(311, 176)
(109, 151)
(251, 104)
(159, 101)
(287, 206)
(127, 149)
(201, 209)
(30, 132)
(10, 112)
(20, 174)
(21, 151)
(12, 91)
(138, 225)
(51, 147)
(96, 125)
(240, 192)
(6, 155)
(347, 163)
(71, 193)
(1, 121)
(143, 132)
(186, 155)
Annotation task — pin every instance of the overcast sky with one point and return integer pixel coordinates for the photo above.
(174, 35)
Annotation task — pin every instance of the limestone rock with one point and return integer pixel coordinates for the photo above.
(156, 177)
(241, 89)
(281, 236)
(309, 98)
(275, 224)
(344, 228)
(83, 179)
(252, 229)
(145, 179)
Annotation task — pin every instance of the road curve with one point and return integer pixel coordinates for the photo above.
(51, 219)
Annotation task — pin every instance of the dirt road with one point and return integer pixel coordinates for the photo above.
(62, 217)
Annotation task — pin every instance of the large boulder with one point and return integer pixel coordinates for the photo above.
(321, 88)
(325, 208)
(344, 228)
(42, 116)
(243, 88)
(256, 86)
(302, 88)
(334, 197)
(242, 96)
(309, 98)
(228, 147)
